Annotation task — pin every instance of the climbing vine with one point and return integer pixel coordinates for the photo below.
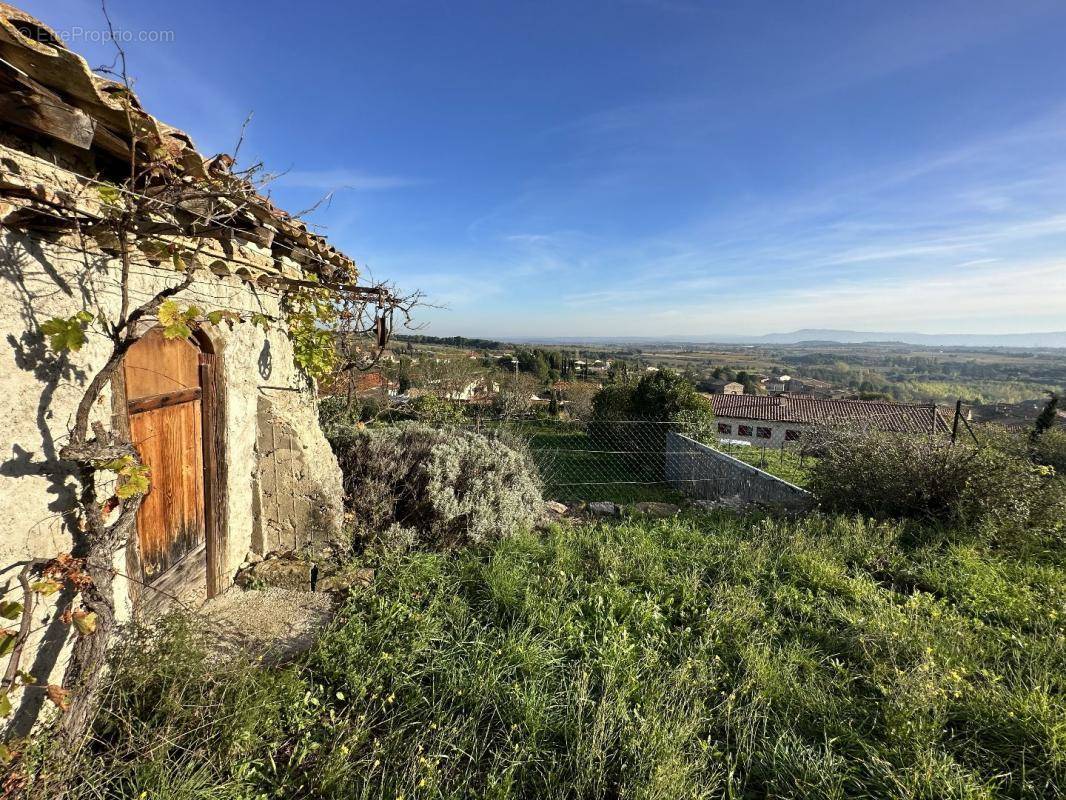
(310, 315)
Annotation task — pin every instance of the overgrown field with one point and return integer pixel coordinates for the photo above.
(699, 657)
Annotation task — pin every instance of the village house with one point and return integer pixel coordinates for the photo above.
(723, 386)
(223, 418)
(370, 384)
(800, 387)
(774, 421)
(477, 390)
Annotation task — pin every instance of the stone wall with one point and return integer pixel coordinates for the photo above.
(280, 492)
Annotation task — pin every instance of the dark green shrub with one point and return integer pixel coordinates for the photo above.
(336, 410)
(1049, 449)
(664, 394)
(614, 401)
(927, 478)
(660, 396)
(446, 487)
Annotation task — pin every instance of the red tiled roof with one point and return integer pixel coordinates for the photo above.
(894, 417)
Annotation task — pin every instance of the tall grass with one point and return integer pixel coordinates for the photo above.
(698, 657)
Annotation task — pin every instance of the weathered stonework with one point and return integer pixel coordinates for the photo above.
(293, 510)
(283, 487)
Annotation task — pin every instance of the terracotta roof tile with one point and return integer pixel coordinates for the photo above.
(895, 417)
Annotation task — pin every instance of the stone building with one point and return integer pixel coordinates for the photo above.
(223, 417)
(776, 420)
(723, 386)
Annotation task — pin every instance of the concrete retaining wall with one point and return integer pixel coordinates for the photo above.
(702, 472)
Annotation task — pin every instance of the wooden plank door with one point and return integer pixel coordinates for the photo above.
(164, 401)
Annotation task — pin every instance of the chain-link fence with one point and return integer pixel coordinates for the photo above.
(639, 460)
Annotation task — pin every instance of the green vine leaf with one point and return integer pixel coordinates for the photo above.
(135, 482)
(115, 464)
(10, 609)
(46, 587)
(309, 316)
(177, 324)
(110, 194)
(67, 333)
(217, 317)
(6, 757)
(133, 476)
(8, 638)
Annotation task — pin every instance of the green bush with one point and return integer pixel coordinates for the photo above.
(335, 411)
(629, 417)
(614, 401)
(660, 396)
(448, 486)
(1049, 448)
(431, 410)
(665, 394)
(927, 478)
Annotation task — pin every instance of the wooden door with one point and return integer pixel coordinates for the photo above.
(164, 401)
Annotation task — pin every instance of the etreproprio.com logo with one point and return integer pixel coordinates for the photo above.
(97, 35)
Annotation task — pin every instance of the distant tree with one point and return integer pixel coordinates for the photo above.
(446, 377)
(658, 396)
(618, 372)
(577, 399)
(403, 374)
(748, 381)
(553, 404)
(515, 397)
(1047, 417)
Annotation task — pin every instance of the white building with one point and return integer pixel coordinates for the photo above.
(768, 421)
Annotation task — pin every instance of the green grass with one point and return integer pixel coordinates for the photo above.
(575, 466)
(700, 657)
(785, 464)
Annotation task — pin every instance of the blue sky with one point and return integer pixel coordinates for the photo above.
(647, 167)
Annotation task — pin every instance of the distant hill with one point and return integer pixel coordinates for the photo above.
(817, 336)
(1053, 339)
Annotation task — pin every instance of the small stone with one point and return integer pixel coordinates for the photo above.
(252, 558)
(660, 510)
(557, 508)
(346, 580)
(281, 573)
(734, 503)
(603, 508)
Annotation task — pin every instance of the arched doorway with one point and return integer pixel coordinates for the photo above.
(169, 392)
